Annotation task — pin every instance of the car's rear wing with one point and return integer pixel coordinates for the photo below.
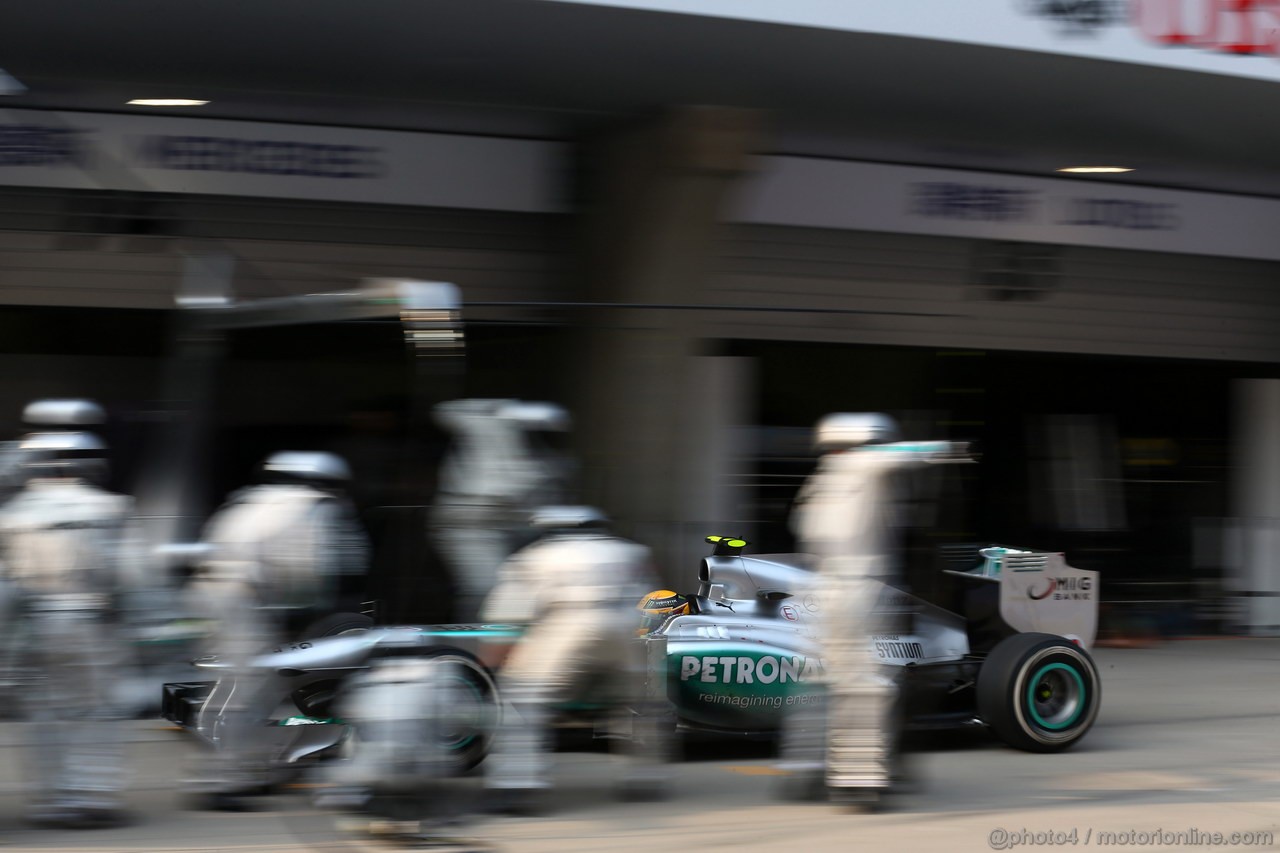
(1040, 592)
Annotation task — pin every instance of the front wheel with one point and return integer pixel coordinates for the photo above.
(473, 708)
(1038, 692)
(439, 711)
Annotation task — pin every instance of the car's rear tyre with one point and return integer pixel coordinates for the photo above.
(1038, 692)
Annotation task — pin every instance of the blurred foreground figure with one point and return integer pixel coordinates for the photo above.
(61, 542)
(13, 476)
(416, 721)
(274, 549)
(575, 590)
(504, 463)
(844, 517)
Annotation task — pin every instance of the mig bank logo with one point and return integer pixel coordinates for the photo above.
(1040, 596)
(1062, 589)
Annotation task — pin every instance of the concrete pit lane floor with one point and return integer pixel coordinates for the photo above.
(1188, 741)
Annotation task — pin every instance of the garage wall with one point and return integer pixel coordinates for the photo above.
(125, 250)
(864, 287)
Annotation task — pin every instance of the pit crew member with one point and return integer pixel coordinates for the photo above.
(844, 515)
(60, 540)
(502, 466)
(575, 591)
(274, 548)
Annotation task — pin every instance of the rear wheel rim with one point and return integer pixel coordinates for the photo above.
(1056, 696)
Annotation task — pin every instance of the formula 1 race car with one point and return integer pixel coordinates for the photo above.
(1016, 661)
(299, 687)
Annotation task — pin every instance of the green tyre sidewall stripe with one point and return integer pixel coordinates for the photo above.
(478, 694)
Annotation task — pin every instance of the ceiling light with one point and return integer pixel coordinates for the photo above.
(166, 102)
(1095, 170)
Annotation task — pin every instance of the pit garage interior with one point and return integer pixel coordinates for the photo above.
(1123, 460)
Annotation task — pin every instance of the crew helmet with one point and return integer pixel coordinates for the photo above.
(530, 415)
(53, 413)
(461, 415)
(65, 453)
(852, 429)
(550, 519)
(307, 467)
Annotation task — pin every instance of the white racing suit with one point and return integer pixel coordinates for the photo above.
(10, 635)
(13, 475)
(576, 593)
(275, 549)
(844, 516)
(61, 545)
(13, 470)
(489, 483)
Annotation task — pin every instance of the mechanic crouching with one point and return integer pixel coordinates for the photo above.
(275, 549)
(574, 591)
(61, 537)
(844, 516)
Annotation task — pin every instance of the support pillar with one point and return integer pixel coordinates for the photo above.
(655, 403)
(1254, 564)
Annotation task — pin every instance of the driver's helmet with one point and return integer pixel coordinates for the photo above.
(658, 606)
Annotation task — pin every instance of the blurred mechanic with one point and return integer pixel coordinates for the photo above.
(575, 592)
(274, 549)
(504, 463)
(416, 723)
(43, 416)
(844, 515)
(60, 539)
(13, 475)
